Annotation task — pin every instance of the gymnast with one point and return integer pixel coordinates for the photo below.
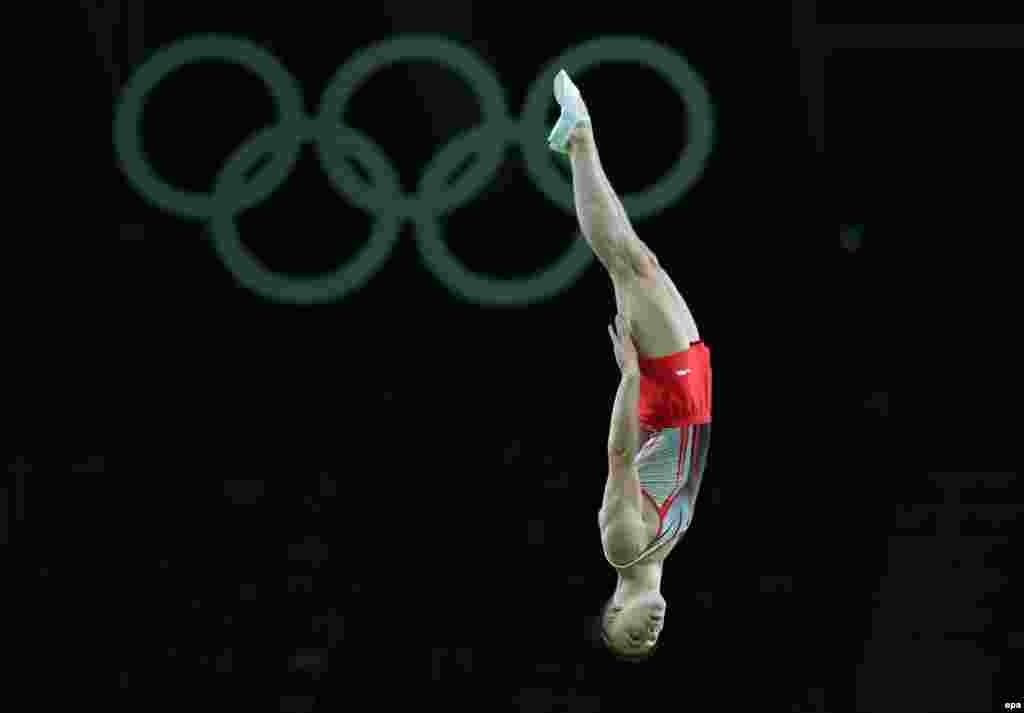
(658, 442)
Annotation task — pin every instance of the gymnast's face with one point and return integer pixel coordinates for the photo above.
(633, 629)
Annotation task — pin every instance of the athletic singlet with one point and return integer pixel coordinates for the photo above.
(671, 463)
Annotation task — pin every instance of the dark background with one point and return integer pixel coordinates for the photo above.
(304, 505)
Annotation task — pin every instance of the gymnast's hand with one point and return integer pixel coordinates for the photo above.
(625, 350)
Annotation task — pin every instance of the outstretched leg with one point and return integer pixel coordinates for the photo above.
(603, 219)
(644, 293)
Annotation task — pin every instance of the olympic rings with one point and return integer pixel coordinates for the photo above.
(382, 196)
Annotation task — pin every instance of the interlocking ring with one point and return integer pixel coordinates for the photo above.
(382, 196)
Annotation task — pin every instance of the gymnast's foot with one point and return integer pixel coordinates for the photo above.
(574, 113)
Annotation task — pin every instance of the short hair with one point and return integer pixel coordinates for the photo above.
(600, 635)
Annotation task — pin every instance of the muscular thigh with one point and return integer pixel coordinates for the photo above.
(660, 319)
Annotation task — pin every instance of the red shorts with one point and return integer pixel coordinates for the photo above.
(675, 390)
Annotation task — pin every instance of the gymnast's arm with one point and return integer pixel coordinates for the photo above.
(624, 435)
(622, 496)
(623, 486)
(621, 519)
(622, 489)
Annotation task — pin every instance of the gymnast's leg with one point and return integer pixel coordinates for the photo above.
(644, 293)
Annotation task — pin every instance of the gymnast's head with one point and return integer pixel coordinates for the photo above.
(630, 627)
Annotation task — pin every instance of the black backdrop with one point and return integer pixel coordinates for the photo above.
(398, 489)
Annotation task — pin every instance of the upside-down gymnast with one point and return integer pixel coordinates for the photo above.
(661, 420)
